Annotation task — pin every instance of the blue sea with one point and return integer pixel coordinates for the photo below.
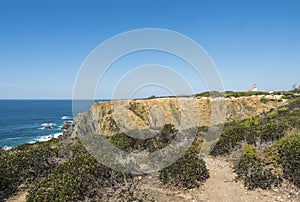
(24, 121)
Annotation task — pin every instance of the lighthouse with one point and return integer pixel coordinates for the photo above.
(254, 87)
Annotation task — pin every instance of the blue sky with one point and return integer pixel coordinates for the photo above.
(44, 43)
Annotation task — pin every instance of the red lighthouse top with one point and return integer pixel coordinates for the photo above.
(254, 86)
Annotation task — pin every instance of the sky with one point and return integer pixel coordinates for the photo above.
(43, 44)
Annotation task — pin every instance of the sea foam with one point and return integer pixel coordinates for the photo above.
(66, 118)
(48, 137)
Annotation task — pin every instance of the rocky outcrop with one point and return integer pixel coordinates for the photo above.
(66, 125)
(112, 117)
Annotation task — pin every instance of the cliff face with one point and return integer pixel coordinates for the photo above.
(112, 117)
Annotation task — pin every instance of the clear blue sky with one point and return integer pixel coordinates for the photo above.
(43, 43)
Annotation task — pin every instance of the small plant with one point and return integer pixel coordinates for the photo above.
(252, 170)
(188, 172)
(285, 97)
(264, 100)
(289, 156)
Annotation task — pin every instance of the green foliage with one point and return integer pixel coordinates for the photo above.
(129, 144)
(276, 112)
(151, 97)
(268, 128)
(25, 166)
(27, 163)
(210, 94)
(232, 94)
(264, 100)
(235, 132)
(288, 149)
(285, 97)
(188, 171)
(2, 151)
(122, 141)
(242, 94)
(80, 178)
(254, 172)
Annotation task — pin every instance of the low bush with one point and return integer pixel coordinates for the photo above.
(235, 132)
(252, 170)
(288, 149)
(2, 151)
(129, 144)
(80, 178)
(187, 172)
(269, 127)
(25, 166)
(27, 163)
(264, 100)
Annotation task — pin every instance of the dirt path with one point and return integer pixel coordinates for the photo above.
(220, 187)
(20, 197)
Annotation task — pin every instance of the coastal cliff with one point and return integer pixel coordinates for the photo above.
(112, 117)
(260, 153)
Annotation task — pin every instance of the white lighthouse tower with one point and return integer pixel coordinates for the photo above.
(254, 87)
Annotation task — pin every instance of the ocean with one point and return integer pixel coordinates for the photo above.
(26, 121)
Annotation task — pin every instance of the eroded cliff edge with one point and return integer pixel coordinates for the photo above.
(111, 117)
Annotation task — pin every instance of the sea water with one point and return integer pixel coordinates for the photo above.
(28, 121)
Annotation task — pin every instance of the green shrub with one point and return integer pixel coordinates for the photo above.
(188, 171)
(212, 94)
(2, 151)
(27, 163)
(122, 141)
(129, 144)
(267, 128)
(289, 155)
(25, 166)
(242, 94)
(285, 97)
(264, 100)
(273, 130)
(252, 170)
(80, 178)
(235, 132)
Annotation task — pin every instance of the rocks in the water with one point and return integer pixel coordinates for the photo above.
(48, 127)
(67, 125)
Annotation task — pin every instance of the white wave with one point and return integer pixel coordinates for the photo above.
(48, 137)
(14, 138)
(56, 135)
(48, 124)
(66, 118)
(6, 147)
(43, 138)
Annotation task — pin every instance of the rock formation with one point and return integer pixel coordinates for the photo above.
(111, 117)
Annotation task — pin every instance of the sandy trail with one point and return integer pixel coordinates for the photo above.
(220, 187)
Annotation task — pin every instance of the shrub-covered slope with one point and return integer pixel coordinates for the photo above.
(262, 129)
(271, 146)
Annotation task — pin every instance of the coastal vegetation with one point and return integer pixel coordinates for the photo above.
(188, 171)
(227, 94)
(270, 144)
(27, 163)
(266, 150)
